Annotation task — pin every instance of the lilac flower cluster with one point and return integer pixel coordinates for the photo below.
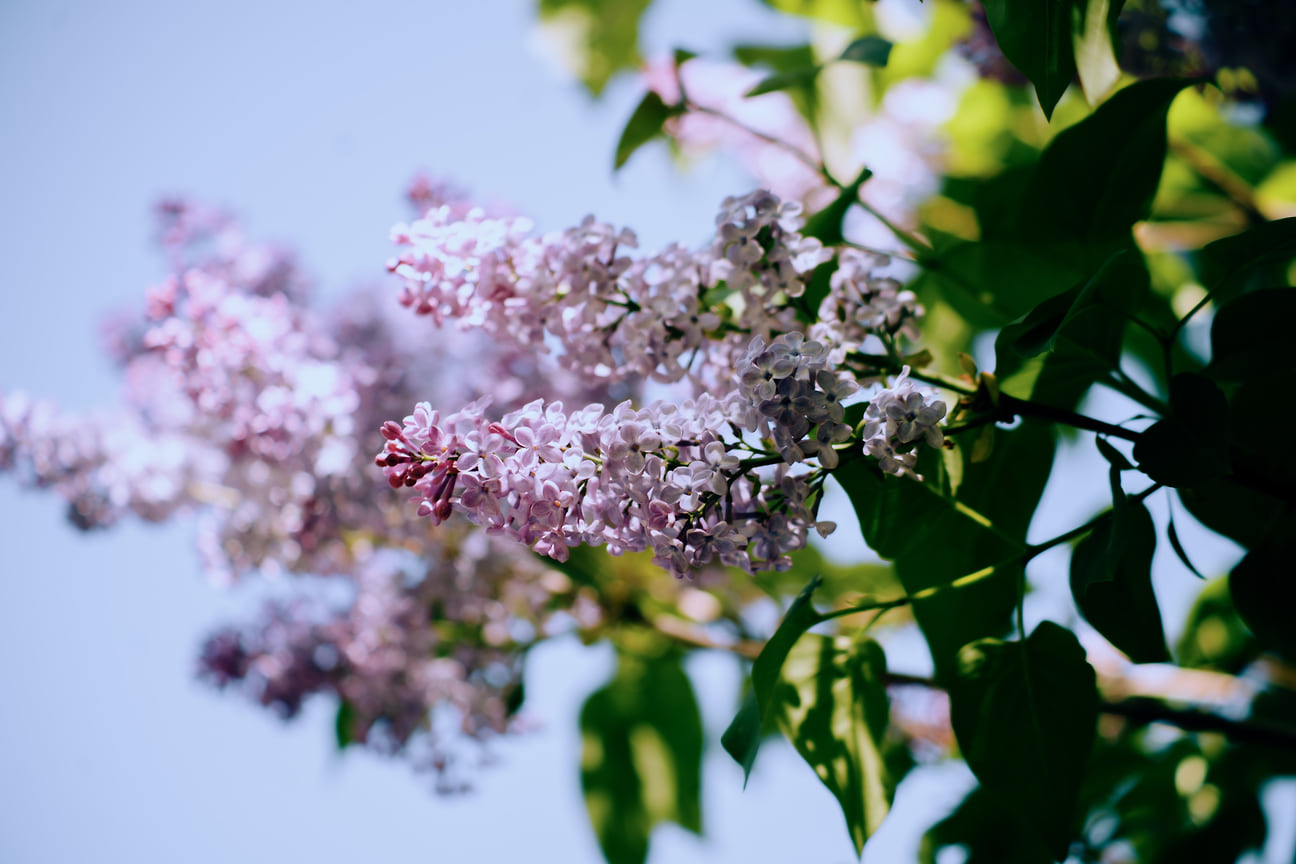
(899, 415)
(245, 407)
(413, 684)
(864, 307)
(613, 315)
(676, 479)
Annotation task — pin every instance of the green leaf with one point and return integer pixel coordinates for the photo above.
(986, 832)
(1091, 40)
(645, 124)
(778, 58)
(1035, 36)
(344, 724)
(826, 224)
(641, 756)
(1111, 581)
(1251, 335)
(869, 50)
(1024, 716)
(1097, 178)
(1081, 330)
(990, 283)
(832, 705)
(1236, 510)
(1038, 331)
(1264, 591)
(597, 39)
(1263, 402)
(742, 739)
(1113, 456)
(936, 541)
(1177, 546)
(798, 78)
(1226, 265)
(1188, 448)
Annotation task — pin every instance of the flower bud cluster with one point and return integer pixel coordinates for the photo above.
(613, 315)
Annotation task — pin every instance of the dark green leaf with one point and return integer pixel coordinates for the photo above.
(1111, 581)
(344, 724)
(1190, 447)
(1263, 403)
(1234, 509)
(1038, 331)
(641, 756)
(832, 705)
(1264, 590)
(870, 50)
(742, 739)
(1113, 456)
(646, 123)
(1035, 36)
(1083, 340)
(986, 831)
(990, 283)
(1024, 715)
(1175, 544)
(1251, 335)
(1226, 264)
(1097, 178)
(798, 78)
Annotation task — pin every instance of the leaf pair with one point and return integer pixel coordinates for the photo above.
(828, 696)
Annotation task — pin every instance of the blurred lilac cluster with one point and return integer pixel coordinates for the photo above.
(249, 408)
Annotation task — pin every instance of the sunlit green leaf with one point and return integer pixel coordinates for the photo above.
(595, 39)
(1024, 715)
(831, 703)
(641, 756)
(1092, 33)
(742, 739)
